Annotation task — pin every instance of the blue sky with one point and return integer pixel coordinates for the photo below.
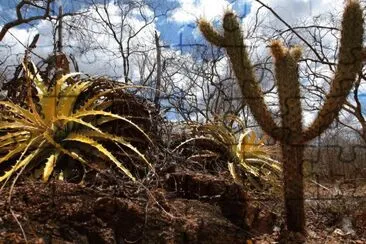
(174, 29)
(179, 27)
(185, 32)
(362, 98)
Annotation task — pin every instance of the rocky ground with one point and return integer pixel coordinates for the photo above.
(183, 206)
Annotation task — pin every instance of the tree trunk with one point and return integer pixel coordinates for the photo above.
(294, 187)
(158, 73)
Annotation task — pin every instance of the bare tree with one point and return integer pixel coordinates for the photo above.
(28, 11)
(128, 31)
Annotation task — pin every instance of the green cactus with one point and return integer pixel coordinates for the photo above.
(291, 133)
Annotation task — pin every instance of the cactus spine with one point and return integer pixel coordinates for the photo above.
(291, 133)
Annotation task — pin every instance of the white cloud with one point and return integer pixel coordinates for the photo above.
(298, 13)
(191, 10)
(188, 11)
(17, 39)
(103, 56)
(92, 43)
(295, 10)
(290, 10)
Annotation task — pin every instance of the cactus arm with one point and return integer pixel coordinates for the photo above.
(287, 79)
(211, 34)
(350, 57)
(232, 41)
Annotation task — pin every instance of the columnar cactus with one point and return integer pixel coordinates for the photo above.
(291, 133)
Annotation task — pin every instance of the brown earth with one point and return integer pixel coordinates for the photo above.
(186, 207)
(191, 208)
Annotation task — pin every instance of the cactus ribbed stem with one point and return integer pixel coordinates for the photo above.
(292, 157)
(233, 42)
(287, 77)
(213, 36)
(349, 63)
(291, 134)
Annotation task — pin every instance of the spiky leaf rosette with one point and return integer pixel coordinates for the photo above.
(244, 152)
(43, 132)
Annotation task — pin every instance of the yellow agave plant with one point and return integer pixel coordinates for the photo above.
(43, 132)
(247, 151)
(254, 157)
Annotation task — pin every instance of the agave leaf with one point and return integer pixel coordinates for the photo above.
(249, 169)
(89, 103)
(61, 176)
(59, 147)
(79, 121)
(249, 147)
(201, 156)
(37, 79)
(233, 118)
(49, 108)
(12, 119)
(234, 173)
(104, 120)
(268, 159)
(81, 114)
(214, 131)
(250, 138)
(274, 166)
(243, 142)
(9, 173)
(29, 79)
(19, 126)
(104, 105)
(208, 139)
(102, 149)
(49, 166)
(219, 133)
(23, 162)
(60, 82)
(250, 152)
(13, 140)
(69, 96)
(24, 113)
(49, 101)
(13, 135)
(13, 152)
(120, 140)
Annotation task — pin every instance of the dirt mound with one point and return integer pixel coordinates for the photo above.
(62, 212)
